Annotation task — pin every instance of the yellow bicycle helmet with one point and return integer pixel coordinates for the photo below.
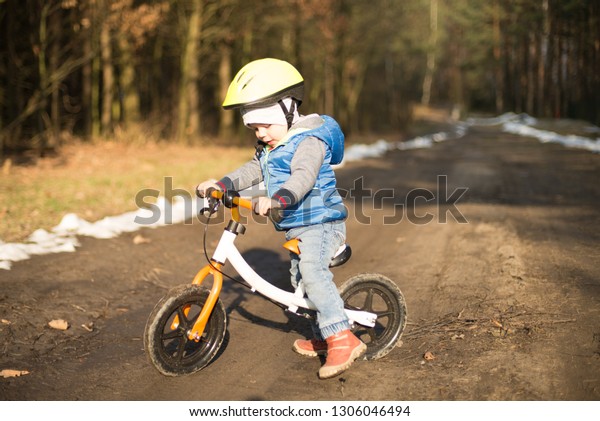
(264, 82)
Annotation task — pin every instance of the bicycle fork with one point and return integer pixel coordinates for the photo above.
(214, 269)
(195, 333)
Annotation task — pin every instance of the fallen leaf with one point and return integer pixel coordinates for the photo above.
(461, 336)
(6, 322)
(59, 324)
(429, 356)
(139, 239)
(13, 373)
(89, 326)
(497, 323)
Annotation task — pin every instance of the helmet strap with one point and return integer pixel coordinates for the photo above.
(289, 114)
(259, 147)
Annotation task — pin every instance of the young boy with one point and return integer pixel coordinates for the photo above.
(293, 158)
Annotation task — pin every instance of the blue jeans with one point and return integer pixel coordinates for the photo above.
(318, 244)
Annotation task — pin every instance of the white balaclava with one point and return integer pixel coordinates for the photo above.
(272, 114)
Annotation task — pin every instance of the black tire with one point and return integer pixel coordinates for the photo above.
(377, 294)
(170, 350)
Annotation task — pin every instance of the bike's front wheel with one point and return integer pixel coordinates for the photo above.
(166, 335)
(377, 294)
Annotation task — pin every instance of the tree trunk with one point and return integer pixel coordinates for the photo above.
(108, 79)
(188, 109)
(497, 51)
(549, 64)
(53, 63)
(431, 53)
(542, 73)
(557, 84)
(456, 74)
(43, 80)
(156, 82)
(130, 105)
(392, 92)
(226, 116)
(593, 105)
(14, 95)
(530, 63)
(352, 90)
(86, 75)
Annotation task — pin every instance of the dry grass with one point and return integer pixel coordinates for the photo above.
(102, 179)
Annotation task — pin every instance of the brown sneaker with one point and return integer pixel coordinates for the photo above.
(342, 349)
(310, 348)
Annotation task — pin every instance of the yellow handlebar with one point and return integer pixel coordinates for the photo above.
(276, 214)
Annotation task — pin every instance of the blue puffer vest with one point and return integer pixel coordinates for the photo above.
(323, 203)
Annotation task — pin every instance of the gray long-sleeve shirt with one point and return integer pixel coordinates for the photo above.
(305, 166)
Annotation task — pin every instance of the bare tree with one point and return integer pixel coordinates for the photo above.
(188, 125)
(431, 52)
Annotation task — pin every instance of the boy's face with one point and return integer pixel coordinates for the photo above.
(271, 134)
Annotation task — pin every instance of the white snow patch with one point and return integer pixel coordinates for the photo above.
(63, 237)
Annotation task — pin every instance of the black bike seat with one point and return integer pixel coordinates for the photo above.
(341, 256)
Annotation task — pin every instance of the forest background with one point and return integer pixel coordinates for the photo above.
(101, 99)
(104, 69)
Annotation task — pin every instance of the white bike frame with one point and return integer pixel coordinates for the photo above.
(227, 251)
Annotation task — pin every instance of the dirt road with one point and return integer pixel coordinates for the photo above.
(502, 289)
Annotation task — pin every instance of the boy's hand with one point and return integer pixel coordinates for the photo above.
(202, 188)
(262, 205)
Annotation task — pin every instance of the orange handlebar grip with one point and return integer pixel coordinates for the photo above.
(217, 194)
(244, 203)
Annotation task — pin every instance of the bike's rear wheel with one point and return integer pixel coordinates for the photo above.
(166, 335)
(377, 294)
